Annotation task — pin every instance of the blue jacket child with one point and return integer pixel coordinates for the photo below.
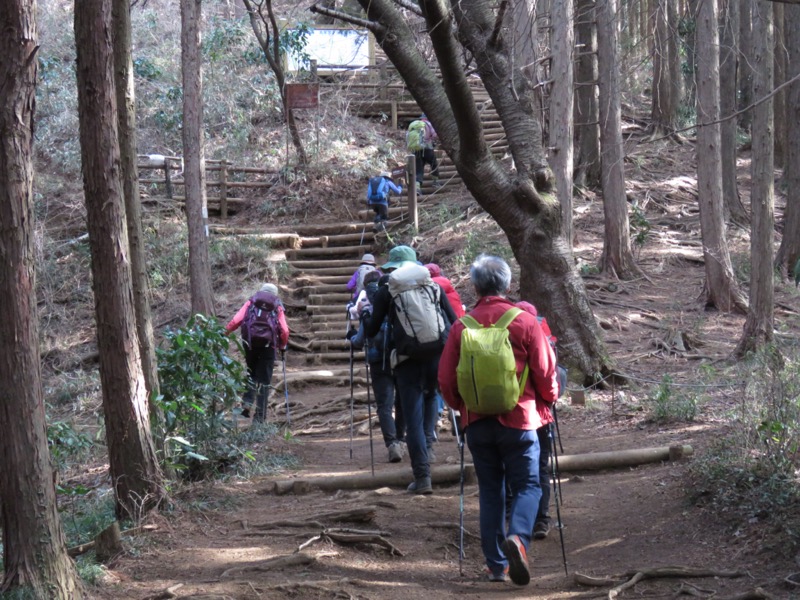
(378, 190)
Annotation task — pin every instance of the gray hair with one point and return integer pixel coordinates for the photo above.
(490, 275)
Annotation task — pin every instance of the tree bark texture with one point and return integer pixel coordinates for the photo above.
(759, 326)
(779, 77)
(728, 67)
(617, 259)
(265, 27)
(562, 101)
(720, 286)
(690, 41)
(789, 251)
(134, 470)
(126, 108)
(34, 549)
(663, 112)
(587, 117)
(194, 169)
(520, 200)
(745, 81)
(674, 50)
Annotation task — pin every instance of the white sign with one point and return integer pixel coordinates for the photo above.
(344, 48)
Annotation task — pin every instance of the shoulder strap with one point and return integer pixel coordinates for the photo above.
(470, 322)
(504, 321)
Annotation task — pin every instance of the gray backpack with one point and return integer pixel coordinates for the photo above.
(419, 327)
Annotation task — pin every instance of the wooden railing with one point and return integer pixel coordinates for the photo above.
(229, 178)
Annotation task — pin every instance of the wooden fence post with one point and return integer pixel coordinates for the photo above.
(383, 81)
(394, 114)
(411, 167)
(223, 189)
(167, 180)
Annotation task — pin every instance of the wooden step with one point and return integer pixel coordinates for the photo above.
(337, 251)
(338, 271)
(311, 280)
(331, 345)
(330, 298)
(316, 290)
(327, 309)
(325, 264)
(327, 241)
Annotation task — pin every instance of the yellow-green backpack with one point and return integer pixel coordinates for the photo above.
(487, 370)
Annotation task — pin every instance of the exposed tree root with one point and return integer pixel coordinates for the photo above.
(357, 515)
(278, 562)
(166, 594)
(351, 538)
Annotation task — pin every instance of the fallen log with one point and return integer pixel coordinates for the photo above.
(447, 474)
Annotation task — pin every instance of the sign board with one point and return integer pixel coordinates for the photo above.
(335, 49)
(302, 95)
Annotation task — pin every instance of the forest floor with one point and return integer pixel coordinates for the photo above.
(614, 521)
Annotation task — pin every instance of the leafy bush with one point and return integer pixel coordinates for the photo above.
(752, 474)
(65, 442)
(665, 405)
(199, 382)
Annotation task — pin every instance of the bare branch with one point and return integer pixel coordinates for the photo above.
(498, 23)
(408, 5)
(341, 16)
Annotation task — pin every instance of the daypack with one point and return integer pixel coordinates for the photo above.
(487, 370)
(561, 371)
(261, 327)
(420, 327)
(415, 136)
(362, 273)
(377, 190)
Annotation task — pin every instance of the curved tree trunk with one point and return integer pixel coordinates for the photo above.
(789, 251)
(521, 201)
(134, 469)
(759, 327)
(34, 550)
(617, 259)
(728, 59)
(126, 108)
(587, 119)
(720, 287)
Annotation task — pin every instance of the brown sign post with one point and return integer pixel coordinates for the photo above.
(302, 95)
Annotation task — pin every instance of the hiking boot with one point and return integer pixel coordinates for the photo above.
(514, 550)
(540, 530)
(500, 577)
(431, 455)
(421, 486)
(395, 452)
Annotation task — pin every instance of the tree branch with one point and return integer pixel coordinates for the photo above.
(342, 16)
(498, 23)
(414, 8)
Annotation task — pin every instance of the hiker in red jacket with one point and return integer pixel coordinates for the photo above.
(451, 293)
(260, 352)
(504, 447)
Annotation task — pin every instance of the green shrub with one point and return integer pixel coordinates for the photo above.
(750, 475)
(665, 405)
(200, 381)
(65, 442)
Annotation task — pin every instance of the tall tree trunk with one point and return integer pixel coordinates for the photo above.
(662, 111)
(789, 251)
(617, 259)
(134, 469)
(690, 41)
(194, 167)
(674, 48)
(728, 59)
(561, 107)
(520, 200)
(126, 108)
(759, 327)
(720, 288)
(779, 102)
(745, 82)
(587, 172)
(34, 551)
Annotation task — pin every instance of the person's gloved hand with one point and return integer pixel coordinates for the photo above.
(366, 314)
(350, 334)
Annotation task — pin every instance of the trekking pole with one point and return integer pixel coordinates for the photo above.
(557, 491)
(351, 401)
(460, 442)
(558, 429)
(286, 392)
(369, 410)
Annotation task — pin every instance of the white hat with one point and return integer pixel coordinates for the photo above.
(270, 287)
(385, 174)
(368, 259)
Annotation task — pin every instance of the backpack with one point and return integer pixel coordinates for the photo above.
(362, 273)
(415, 136)
(419, 326)
(561, 371)
(377, 190)
(261, 328)
(487, 370)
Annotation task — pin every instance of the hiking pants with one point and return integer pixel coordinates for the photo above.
(260, 364)
(381, 212)
(383, 386)
(426, 157)
(416, 386)
(545, 451)
(502, 454)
